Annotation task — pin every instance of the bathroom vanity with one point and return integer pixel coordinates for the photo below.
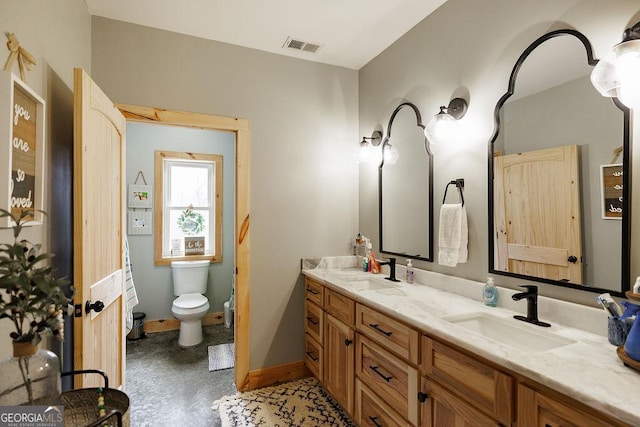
(432, 354)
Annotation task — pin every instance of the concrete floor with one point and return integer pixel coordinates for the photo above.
(170, 386)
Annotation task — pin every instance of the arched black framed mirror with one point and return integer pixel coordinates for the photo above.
(405, 188)
(557, 150)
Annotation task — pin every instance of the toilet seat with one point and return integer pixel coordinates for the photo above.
(190, 301)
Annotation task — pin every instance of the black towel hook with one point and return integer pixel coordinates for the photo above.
(459, 183)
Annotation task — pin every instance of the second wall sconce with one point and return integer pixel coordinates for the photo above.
(442, 125)
(618, 73)
(366, 152)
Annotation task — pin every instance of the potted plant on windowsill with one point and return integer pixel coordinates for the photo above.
(33, 300)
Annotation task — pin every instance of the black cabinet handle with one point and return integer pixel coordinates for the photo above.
(422, 397)
(375, 422)
(347, 342)
(312, 356)
(375, 369)
(312, 291)
(382, 331)
(312, 320)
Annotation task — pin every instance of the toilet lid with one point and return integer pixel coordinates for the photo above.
(190, 301)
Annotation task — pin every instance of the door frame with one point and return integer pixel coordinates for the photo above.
(240, 127)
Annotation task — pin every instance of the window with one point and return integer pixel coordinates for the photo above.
(188, 207)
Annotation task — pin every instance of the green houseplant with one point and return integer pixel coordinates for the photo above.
(32, 300)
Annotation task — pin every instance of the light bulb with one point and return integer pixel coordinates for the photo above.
(441, 128)
(628, 71)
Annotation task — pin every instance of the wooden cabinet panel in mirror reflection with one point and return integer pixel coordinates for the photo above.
(547, 216)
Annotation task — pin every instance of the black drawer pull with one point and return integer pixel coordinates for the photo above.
(382, 331)
(312, 291)
(375, 369)
(312, 320)
(312, 356)
(375, 422)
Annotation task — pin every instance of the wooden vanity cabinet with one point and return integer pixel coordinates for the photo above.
(475, 383)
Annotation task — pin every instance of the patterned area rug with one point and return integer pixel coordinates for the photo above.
(302, 403)
(221, 356)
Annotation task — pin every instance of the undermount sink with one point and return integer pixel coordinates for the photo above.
(509, 331)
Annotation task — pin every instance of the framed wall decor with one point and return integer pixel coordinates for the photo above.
(22, 149)
(140, 223)
(140, 196)
(611, 189)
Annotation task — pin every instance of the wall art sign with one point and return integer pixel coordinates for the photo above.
(140, 223)
(193, 246)
(611, 188)
(22, 148)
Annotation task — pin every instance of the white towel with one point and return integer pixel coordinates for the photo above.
(454, 235)
(131, 297)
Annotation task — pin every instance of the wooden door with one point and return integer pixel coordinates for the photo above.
(445, 409)
(99, 143)
(537, 214)
(339, 359)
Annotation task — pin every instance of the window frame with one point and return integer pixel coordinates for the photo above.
(159, 207)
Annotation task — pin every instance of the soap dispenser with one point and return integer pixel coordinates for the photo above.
(490, 293)
(409, 277)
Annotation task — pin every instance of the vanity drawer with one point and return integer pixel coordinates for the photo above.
(393, 335)
(339, 306)
(313, 356)
(314, 321)
(373, 411)
(480, 384)
(313, 291)
(393, 379)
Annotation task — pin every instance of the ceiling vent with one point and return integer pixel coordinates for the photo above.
(292, 43)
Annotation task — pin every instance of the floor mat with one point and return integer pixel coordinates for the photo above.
(221, 356)
(297, 403)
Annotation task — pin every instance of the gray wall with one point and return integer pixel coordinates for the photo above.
(58, 35)
(153, 283)
(468, 48)
(304, 128)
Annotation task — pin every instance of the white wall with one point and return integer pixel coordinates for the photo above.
(58, 35)
(304, 125)
(153, 283)
(468, 48)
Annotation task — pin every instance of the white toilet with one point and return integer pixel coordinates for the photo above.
(189, 283)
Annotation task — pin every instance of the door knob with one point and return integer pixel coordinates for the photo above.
(96, 306)
(572, 259)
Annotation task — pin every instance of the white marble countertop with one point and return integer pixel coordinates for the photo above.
(588, 370)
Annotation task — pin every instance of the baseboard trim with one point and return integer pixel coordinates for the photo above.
(277, 374)
(163, 325)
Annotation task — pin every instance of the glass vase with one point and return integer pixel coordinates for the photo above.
(30, 377)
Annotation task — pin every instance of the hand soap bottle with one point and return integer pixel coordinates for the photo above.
(409, 272)
(490, 293)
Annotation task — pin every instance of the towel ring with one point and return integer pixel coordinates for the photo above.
(459, 183)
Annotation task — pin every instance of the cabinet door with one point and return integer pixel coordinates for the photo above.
(536, 409)
(444, 409)
(339, 362)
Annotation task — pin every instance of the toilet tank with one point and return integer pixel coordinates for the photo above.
(189, 277)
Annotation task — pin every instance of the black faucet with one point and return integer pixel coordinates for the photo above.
(392, 269)
(532, 305)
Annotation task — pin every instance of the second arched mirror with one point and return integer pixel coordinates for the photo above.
(406, 188)
(558, 157)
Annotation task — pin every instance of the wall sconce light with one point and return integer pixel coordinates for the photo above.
(442, 126)
(366, 152)
(618, 73)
